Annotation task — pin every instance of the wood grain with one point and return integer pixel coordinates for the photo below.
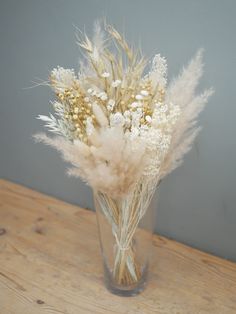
(50, 263)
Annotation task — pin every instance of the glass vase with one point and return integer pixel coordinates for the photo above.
(125, 230)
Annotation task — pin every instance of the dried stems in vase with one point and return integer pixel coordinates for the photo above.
(124, 215)
(123, 129)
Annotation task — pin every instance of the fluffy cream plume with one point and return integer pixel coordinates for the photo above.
(98, 40)
(100, 116)
(182, 91)
(112, 167)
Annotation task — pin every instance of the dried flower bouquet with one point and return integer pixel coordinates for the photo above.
(123, 130)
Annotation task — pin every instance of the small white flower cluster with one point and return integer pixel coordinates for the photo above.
(158, 73)
(117, 119)
(62, 78)
(97, 93)
(165, 115)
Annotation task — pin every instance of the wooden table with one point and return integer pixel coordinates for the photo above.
(50, 263)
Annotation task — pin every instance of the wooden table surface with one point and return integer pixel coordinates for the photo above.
(50, 263)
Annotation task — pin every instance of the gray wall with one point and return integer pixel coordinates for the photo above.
(197, 202)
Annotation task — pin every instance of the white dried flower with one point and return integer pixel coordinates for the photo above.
(144, 93)
(134, 104)
(116, 83)
(134, 133)
(127, 113)
(110, 104)
(148, 119)
(105, 74)
(163, 108)
(104, 97)
(117, 119)
(127, 122)
(139, 97)
(139, 110)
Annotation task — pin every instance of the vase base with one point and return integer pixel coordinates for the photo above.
(124, 291)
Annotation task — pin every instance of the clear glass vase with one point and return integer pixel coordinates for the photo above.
(125, 229)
